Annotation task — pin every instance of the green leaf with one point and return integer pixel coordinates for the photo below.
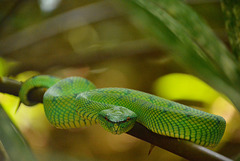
(14, 144)
(231, 9)
(180, 30)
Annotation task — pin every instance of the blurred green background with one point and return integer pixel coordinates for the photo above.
(98, 40)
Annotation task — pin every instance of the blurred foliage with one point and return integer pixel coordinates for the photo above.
(232, 16)
(3, 67)
(191, 42)
(12, 141)
(109, 50)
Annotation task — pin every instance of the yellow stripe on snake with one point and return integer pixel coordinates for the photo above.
(75, 102)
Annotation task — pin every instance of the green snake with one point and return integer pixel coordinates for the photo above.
(75, 102)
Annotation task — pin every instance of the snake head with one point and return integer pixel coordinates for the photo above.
(117, 120)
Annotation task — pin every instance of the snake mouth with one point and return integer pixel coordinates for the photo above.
(116, 133)
(116, 128)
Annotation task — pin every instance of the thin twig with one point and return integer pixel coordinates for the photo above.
(182, 148)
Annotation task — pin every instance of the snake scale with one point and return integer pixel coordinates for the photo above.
(75, 102)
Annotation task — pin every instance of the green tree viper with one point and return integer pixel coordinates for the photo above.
(75, 102)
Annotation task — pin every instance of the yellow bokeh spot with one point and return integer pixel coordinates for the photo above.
(178, 86)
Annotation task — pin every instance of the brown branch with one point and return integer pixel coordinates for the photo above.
(182, 148)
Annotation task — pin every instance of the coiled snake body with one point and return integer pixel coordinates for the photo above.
(75, 102)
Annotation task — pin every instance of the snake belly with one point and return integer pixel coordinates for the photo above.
(75, 102)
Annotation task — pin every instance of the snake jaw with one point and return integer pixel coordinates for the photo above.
(115, 129)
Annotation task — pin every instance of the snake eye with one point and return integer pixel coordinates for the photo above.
(128, 118)
(106, 118)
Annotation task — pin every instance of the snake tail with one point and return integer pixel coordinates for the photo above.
(43, 81)
(59, 99)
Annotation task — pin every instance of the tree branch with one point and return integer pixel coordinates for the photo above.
(182, 148)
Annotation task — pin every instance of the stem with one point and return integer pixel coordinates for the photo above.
(182, 148)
